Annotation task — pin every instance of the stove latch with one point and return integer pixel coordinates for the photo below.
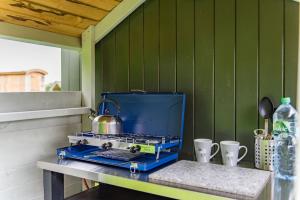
(133, 167)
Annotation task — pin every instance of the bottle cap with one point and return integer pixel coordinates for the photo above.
(285, 100)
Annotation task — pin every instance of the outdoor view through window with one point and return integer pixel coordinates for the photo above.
(26, 67)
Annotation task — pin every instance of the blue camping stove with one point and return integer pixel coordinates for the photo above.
(152, 125)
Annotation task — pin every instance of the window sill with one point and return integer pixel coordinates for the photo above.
(40, 114)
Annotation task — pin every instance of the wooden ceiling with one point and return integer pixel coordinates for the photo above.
(68, 17)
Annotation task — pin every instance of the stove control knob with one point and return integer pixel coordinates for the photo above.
(104, 146)
(132, 149)
(85, 142)
(138, 147)
(109, 144)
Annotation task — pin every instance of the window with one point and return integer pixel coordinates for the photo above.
(26, 67)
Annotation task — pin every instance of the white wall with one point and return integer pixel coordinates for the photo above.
(23, 143)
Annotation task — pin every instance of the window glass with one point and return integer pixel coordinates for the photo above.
(26, 67)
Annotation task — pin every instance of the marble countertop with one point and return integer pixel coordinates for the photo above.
(232, 182)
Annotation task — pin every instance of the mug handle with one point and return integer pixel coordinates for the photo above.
(216, 150)
(246, 150)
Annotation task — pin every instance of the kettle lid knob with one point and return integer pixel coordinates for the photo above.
(106, 111)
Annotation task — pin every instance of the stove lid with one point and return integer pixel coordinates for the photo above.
(156, 114)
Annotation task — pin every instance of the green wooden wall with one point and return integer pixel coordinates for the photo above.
(225, 55)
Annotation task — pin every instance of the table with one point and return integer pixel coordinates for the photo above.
(54, 170)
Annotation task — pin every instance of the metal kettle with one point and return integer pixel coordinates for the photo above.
(106, 123)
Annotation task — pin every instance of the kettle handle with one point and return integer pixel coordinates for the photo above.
(115, 103)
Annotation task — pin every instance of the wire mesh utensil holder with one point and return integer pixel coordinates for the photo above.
(264, 153)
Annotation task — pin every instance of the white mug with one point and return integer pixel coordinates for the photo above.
(230, 152)
(203, 149)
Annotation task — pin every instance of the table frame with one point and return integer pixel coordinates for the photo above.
(54, 170)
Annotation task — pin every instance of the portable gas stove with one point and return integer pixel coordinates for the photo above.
(159, 115)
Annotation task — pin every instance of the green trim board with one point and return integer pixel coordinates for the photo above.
(222, 56)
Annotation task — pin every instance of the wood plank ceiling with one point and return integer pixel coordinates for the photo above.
(68, 17)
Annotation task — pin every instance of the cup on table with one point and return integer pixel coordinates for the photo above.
(230, 152)
(203, 149)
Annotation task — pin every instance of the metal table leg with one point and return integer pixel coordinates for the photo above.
(53, 185)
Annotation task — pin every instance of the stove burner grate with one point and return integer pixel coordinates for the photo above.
(134, 138)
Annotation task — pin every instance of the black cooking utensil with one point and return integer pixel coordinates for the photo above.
(266, 110)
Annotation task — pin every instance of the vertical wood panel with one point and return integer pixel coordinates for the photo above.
(74, 69)
(167, 45)
(136, 72)
(65, 65)
(70, 70)
(224, 70)
(122, 57)
(224, 55)
(185, 69)
(246, 73)
(271, 49)
(204, 69)
(151, 44)
(109, 55)
(99, 72)
(291, 48)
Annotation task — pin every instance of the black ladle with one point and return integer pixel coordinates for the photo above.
(266, 110)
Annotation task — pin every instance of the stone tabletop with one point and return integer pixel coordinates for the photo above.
(233, 182)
